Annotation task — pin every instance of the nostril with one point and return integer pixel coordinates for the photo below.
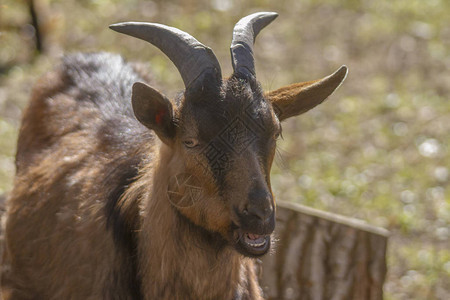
(258, 213)
(262, 213)
(260, 205)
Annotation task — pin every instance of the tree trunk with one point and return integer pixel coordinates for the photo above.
(321, 255)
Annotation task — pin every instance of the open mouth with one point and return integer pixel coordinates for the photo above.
(251, 244)
(255, 240)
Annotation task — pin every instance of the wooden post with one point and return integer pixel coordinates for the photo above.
(320, 255)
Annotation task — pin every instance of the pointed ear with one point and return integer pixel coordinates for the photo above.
(295, 99)
(153, 110)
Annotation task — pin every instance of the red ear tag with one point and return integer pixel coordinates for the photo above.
(159, 116)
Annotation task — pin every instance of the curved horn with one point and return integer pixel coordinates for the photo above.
(244, 34)
(191, 57)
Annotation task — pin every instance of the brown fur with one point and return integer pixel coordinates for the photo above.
(89, 216)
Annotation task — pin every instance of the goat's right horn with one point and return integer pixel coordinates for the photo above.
(191, 57)
(244, 34)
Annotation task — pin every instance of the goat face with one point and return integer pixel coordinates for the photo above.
(230, 144)
(220, 135)
(219, 146)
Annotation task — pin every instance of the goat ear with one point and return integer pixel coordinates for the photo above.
(295, 99)
(153, 110)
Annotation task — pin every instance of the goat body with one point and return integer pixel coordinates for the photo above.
(97, 210)
(79, 149)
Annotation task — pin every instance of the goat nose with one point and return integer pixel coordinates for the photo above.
(263, 212)
(260, 204)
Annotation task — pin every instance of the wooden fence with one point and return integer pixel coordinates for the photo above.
(320, 255)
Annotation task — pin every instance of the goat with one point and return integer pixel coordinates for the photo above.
(153, 199)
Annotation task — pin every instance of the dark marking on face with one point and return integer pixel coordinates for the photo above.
(236, 121)
(238, 135)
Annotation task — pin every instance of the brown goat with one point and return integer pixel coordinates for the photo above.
(104, 208)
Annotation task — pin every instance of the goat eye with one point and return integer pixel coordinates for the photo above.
(190, 143)
(278, 134)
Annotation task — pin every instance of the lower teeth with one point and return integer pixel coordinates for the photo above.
(254, 243)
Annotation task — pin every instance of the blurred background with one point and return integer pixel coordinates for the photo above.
(378, 150)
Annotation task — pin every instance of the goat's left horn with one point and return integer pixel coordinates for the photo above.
(191, 57)
(244, 34)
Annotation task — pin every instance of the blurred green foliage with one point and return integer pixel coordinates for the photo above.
(377, 150)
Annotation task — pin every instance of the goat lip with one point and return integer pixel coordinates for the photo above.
(254, 240)
(253, 245)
